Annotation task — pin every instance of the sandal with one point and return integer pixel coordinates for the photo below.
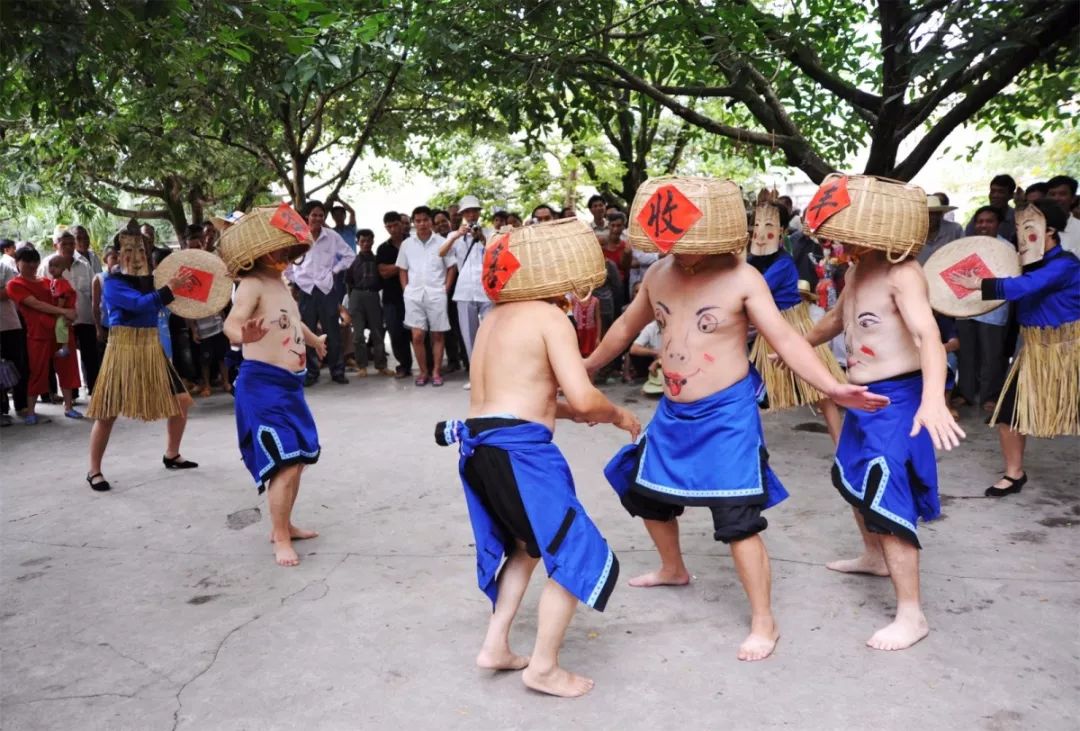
(177, 463)
(436, 381)
(73, 414)
(420, 381)
(102, 486)
(1016, 484)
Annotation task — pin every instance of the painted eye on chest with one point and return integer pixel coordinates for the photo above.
(707, 323)
(283, 322)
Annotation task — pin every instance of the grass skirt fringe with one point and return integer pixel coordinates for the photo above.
(1047, 376)
(134, 380)
(785, 389)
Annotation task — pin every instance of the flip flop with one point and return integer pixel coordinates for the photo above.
(437, 381)
(420, 381)
(73, 414)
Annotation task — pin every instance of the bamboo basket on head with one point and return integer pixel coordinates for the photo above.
(543, 261)
(255, 235)
(884, 214)
(697, 215)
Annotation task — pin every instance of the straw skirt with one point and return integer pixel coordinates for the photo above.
(1046, 374)
(785, 389)
(136, 379)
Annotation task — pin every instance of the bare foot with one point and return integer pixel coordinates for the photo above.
(761, 641)
(284, 554)
(298, 534)
(557, 681)
(864, 564)
(501, 660)
(661, 578)
(904, 632)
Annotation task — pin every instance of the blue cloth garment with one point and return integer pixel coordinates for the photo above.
(128, 306)
(707, 452)
(574, 552)
(889, 477)
(781, 275)
(273, 422)
(1047, 293)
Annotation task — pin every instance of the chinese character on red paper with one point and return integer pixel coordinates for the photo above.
(291, 222)
(499, 265)
(831, 198)
(200, 286)
(972, 264)
(667, 216)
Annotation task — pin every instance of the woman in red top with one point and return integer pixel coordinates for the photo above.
(36, 306)
(65, 362)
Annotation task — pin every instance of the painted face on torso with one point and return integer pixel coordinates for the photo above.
(1030, 234)
(765, 238)
(702, 329)
(878, 343)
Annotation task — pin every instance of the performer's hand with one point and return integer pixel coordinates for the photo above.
(851, 396)
(777, 361)
(939, 424)
(320, 346)
(183, 278)
(627, 421)
(967, 280)
(253, 330)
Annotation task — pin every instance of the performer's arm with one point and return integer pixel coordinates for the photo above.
(1028, 283)
(910, 292)
(314, 341)
(125, 297)
(622, 332)
(239, 326)
(796, 352)
(829, 326)
(584, 402)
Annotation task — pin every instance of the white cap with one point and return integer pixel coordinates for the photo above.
(467, 202)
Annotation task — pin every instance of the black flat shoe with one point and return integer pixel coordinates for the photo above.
(102, 486)
(176, 463)
(1016, 484)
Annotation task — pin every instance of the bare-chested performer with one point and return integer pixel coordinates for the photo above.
(518, 487)
(885, 465)
(276, 430)
(705, 445)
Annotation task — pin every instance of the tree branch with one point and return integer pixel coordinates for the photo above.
(125, 212)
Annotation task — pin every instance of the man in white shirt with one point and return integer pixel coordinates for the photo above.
(1062, 190)
(465, 247)
(320, 300)
(426, 278)
(80, 274)
(12, 336)
(598, 209)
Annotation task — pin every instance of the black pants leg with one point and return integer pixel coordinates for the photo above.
(319, 308)
(86, 337)
(967, 381)
(994, 362)
(400, 336)
(13, 348)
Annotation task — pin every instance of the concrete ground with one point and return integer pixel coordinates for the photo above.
(158, 606)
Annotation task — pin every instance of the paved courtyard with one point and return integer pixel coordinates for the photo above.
(158, 606)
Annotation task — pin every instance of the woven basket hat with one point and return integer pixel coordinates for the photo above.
(262, 232)
(543, 260)
(210, 288)
(985, 256)
(877, 213)
(688, 216)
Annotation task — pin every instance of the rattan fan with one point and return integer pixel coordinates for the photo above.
(211, 284)
(254, 236)
(886, 215)
(688, 216)
(542, 261)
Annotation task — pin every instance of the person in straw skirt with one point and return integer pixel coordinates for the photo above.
(275, 428)
(705, 445)
(783, 387)
(1041, 397)
(885, 466)
(518, 487)
(136, 378)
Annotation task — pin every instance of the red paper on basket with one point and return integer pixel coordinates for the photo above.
(200, 286)
(830, 199)
(499, 265)
(667, 216)
(972, 264)
(288, 220)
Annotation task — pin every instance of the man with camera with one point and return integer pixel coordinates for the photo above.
(466, 247)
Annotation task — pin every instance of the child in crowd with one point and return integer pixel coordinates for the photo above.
(586, 314)
(35, 303)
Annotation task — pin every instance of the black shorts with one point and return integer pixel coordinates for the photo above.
(175, 384)
(1008, 406)
(491, 476)
(731, 522)
(213, 349)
